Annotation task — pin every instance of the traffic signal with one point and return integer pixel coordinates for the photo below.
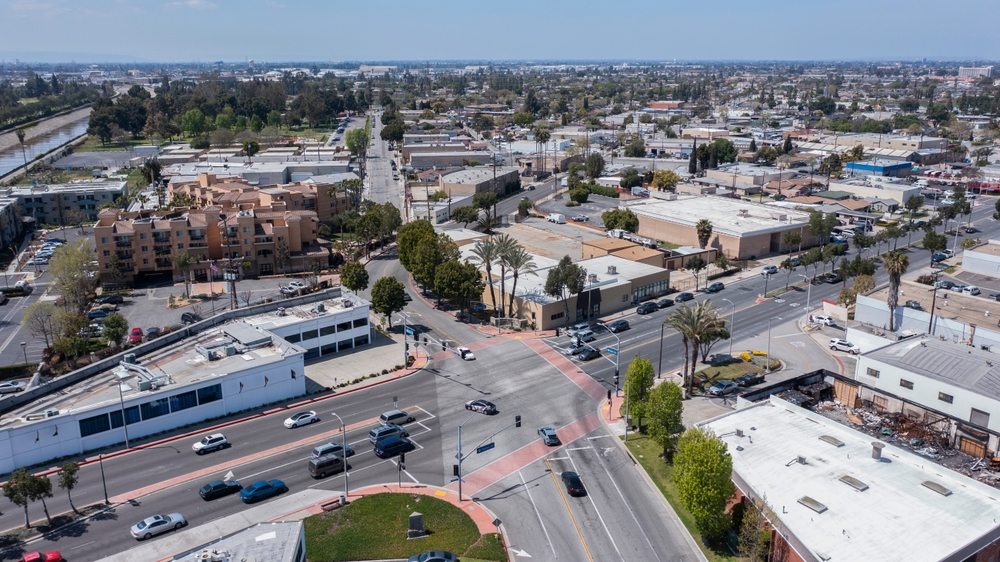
(616, 378)
(609, 394)
(443, 347)
(406, 346)
(517, 421)
(425, 339)
(454, 470)
(402, 458)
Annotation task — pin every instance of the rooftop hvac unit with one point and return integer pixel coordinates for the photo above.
(145, 385)
(230, 350)
(208, 354)
(129, 358)
(320, 307)
(612, 270)
(51, 413)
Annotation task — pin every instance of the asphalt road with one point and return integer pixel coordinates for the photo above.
(381, 187)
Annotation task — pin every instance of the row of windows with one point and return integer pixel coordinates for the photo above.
(653, 289)
(150, 410)
(326, 331)
(977, 417)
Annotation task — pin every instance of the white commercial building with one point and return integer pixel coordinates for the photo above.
(878, 187)
(65, 203)
(983, 259)
(975, 71)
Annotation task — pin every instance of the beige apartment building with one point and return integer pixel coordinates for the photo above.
(237, 193)
(146, 242)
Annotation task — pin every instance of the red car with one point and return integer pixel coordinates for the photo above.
(136, 336)
(51, 556)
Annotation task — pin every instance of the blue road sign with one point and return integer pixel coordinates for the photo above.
(612, 351)
(485, 448)
(409, 331)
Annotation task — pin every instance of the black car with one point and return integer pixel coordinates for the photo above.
(112, 299)
(574, 486)
(684, 297)
(618, 326)
(218, 489)
(588, 354)
(946, 285)
(646, 308)
(938, 256)
(392, 446)
(664, 303)
(971, 230)
(715, 287)
(98, 313)
(750, 379)
(189, 318)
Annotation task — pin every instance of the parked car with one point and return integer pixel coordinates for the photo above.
(915, 305)
(481, 406)
(574, 486)
(10, 387)
(618, 326)
(994, 297)
(824, 320)
(383, 431)
(301, 418)
(944, 285)
(434, 556)
(664, 303)
(189, 318)
(715, 287)
(580, 218)
(50, 556)
(392, 446)
(957, 288)
(646, 308)
(99, 313)
(971, 290)
(722, 387)
(938, 256)
(152, 333)
(289, 290)
(135, 336)
(397, 417)
(91, 331)
(750, 379)
(589, 354)
(111, 299)
(548, 435)
(210, 443)
(157, 524)
(795, 262)
(683, 297)
(297, 284)
(844, 345)
(770, 270)
(331, 448)
(218, 489)
(831, 277)
(262, 490)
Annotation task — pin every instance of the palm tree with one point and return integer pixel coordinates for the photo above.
(485, 253)
(542, 137)
(505, 246)
(895, 264)
(183, 261)
(20, 138)
(694, 323)
(518, 261)
(704, 231)
(678, 320)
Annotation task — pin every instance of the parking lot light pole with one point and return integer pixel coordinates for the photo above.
(732, 329)
(767, 366)
(343, 433)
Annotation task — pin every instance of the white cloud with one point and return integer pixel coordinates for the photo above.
(196, 4)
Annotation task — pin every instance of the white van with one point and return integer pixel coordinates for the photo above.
(970, 290)
(557, 218)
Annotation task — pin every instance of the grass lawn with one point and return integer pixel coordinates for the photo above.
(668, 245)
(728, 371)
(374, 528)
(647, 452)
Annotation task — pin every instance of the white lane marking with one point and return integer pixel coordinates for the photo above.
(593, 503)
(558, 458)
(624, 501)
(537, 514)
(429, 415)
(598, 437)
(578, 448)
(82, 545)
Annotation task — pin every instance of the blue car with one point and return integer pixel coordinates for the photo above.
(262, 490)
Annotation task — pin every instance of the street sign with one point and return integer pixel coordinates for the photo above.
(485, 448)
(613, 351)
(409, 331)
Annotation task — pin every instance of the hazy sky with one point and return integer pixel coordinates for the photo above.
(371, 30)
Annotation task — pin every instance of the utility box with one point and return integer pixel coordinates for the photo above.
(416, 529)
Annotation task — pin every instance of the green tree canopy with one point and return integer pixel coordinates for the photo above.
(703, 471)
(388, 297)
(465, 214)
(114, 328)
(595, 165)
(639, 378)
(663, 415)
(622, 219)
(407, 238)
(354, 276)
(459, 281)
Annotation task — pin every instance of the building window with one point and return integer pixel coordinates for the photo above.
(246, 229)
(107, 253)
(293, 338)
(556, 316)
(946, 397)
(361, 340)
(145, 261)
(145, 248)
(107, 266)
(309, 335)
(104, 240)
(625, 297)
(360, 322)
(154, 409)
(343, 326)
(180, 246)
(209, 394)
(344, 344)
(980, 418)
(872, 372)
(906, 384)
(327, 330)
(179, 234)
(183, 401)
(96, 424)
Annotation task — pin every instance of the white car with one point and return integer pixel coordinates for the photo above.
(157, 524)
(970, 290)
(213, 442)
(297, 284)
(824, 320)
(465, 353)
(844, 345)
(576, 328)
(301, 418)
(288, 290)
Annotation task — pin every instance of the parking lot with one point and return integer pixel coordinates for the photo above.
(551, 240)
(592, 209)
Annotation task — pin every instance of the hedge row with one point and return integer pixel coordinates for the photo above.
(725, 273)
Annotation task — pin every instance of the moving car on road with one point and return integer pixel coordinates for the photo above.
(396, 417)
(50, 556)
(574, 486)
(589, 354)
(301, 418)
(218, 489)
(618, 326)
(465, 353)
(715, 287)
(434, 556)
(262, 490)
(770, 270)
(574, 348)
(213, 442)
(330, 449)
(665, 303)
(392, 446)
(548, 435)
(383, 431)
(157, 524)
(844, 345)
(481, 406)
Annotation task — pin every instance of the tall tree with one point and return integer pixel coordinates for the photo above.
(20, 132)
(639, 378)
(73, 273)
(621, 219)
(354, 276)
(664, 416)
(895, 264)
(565, 280)
(114, 328)
(792, 238)
(696, 265)
(18, 490)
(693, 160)
(703, 472)
(183, 262)
(41, 321)
(505, 245)
(519, 262)
(68, 480)
(704, 230)
(388, 297)
(459, 281)
(485, 256)
(595, 165)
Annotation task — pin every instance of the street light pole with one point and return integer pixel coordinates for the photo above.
(809, 288)
(628, 387)
(732, 329)
(659, 369)
(121, 400)
(618, 357)
(767, 367)
(343, 433)
(25, 351)
(100, 459)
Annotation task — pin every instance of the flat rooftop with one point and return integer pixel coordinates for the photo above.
(887, 512)
(991, 248)
(531, 288)
(179, 363)
(476, 175)
(962, 308)
(731, 217)
(293, 314)
(954, 363)
(273, 542)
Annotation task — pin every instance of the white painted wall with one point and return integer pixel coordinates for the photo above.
(981, 262)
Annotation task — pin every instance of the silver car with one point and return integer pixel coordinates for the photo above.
(8, 387)
(157, 524)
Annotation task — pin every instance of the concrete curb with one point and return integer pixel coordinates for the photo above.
(692, 544)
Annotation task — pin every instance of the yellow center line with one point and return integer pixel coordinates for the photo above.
(568, 510)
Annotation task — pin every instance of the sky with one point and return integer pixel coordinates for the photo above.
(541, 30)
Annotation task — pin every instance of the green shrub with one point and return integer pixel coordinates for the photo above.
(726, 273)
(579, 195)
(200, 142)
(605, 191)
(572, 204)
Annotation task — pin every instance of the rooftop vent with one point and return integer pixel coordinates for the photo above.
(831, 440)
(854, 483)
(877, 450)
(129, 358)
(812, 504)
(936, 487)
(612, 270)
